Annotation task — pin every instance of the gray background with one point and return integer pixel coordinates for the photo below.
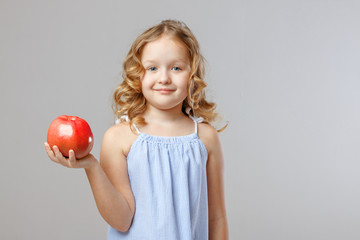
(285, 74)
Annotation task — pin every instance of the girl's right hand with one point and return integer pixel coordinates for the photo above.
(70, 162)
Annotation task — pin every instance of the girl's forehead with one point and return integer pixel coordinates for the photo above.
(165, 46)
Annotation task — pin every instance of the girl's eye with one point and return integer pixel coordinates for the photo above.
(152, 69)
(176, 68)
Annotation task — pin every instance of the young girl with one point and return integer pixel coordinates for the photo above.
(161, 166)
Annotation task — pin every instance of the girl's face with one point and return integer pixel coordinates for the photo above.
(167, 71)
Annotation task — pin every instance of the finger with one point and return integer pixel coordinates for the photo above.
(50, 153)
(48, 150)
(72, 158)
(58, 155)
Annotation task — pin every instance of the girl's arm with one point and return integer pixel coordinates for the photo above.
(112, 192)
(110, 182)
(112, 205)
(218, 226)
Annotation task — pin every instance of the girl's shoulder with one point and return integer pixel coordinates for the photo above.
(209, 136)
(120, 136)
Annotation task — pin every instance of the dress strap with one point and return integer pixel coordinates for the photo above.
(196, 121)
(136, 128)
(194, 118)
(126, 118)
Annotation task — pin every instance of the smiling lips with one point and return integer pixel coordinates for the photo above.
(164, 90)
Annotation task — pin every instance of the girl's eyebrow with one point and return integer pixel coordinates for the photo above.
(174, 61)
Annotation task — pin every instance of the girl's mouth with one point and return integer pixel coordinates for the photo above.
(164, 90)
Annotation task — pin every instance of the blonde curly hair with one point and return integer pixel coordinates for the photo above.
(128, 97)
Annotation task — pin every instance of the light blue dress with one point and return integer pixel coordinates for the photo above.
(168, 179)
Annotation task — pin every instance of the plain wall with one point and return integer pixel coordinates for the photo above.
(285, 74)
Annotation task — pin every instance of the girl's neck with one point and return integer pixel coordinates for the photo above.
(153, 114)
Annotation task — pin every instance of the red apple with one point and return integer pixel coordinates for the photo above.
(71, 132)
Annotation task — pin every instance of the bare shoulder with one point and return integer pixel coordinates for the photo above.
(119, 137)
(209, 136)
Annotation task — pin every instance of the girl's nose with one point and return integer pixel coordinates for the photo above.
(164, 77)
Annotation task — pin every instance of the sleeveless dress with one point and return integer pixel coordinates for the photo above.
(168, 179)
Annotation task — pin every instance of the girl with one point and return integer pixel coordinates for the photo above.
(161, 166)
